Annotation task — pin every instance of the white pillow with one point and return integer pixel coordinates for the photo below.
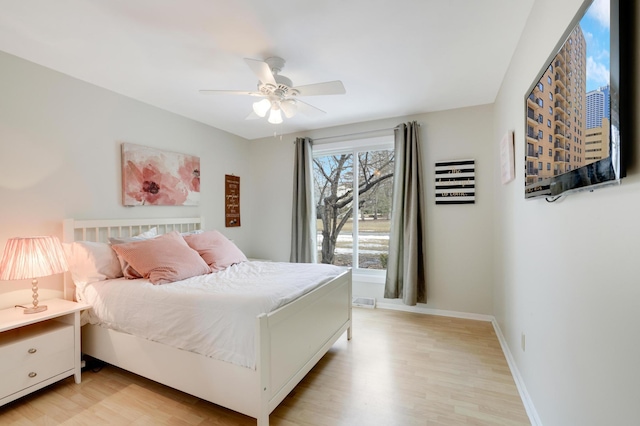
(127, 270)
(90, 261)
(151, 233)
(195, 231)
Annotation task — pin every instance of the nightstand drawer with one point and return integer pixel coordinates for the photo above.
(35, 353)
(34, 372)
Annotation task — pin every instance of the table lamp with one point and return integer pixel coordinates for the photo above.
(32, 257)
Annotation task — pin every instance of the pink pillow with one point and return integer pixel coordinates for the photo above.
(127, 270)
(164, 259)
(215, 249)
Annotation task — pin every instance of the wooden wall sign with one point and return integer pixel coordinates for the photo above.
(231, 200)
(455, 182)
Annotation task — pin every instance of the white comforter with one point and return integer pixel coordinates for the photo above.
(212, 314)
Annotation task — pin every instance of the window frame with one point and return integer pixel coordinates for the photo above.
(353, 147)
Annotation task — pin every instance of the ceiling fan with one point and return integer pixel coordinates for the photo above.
(278, 92)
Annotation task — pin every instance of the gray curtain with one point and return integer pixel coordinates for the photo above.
(406, 269)
(303, 223)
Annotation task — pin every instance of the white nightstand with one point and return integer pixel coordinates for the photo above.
(38, 349)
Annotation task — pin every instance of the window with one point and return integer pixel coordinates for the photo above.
(529, 149)
(549, 80)
(548, 123)
(539, 150)
(541, 87)
(548, 166)
(540, 135)
(550, 152)
(353, 226)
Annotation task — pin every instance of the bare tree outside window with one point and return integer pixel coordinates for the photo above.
(334, 180)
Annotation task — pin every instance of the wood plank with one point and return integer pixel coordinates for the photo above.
(400, 369)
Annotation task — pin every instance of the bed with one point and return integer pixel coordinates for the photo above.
(288, 341)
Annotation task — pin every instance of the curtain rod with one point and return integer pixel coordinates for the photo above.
(354, 134)
(357, 133)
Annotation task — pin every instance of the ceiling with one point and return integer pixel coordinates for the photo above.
(395, 58)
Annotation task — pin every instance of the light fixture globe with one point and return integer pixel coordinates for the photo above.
(261, 107)
(275, 117)
(289, 107)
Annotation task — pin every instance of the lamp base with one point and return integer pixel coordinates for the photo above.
(35, 309)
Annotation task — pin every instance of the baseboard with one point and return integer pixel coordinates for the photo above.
(517, 378)
(515, 373)
(430, 311)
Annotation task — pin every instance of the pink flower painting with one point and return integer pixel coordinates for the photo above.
(159, 178)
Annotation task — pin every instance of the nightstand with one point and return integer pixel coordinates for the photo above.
(38, 349)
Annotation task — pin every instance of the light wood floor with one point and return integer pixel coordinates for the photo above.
(400, 369)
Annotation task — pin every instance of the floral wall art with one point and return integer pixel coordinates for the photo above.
(159, 178)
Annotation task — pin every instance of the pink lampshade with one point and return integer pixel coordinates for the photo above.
(32, 257)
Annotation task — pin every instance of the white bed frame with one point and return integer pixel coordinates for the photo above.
(289, 341)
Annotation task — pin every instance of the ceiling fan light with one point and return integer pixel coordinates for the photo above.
(275, 117)
(261, 107)
(289, 107)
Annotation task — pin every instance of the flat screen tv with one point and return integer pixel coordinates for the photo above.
(577, 106)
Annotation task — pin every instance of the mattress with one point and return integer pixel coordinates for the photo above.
(213, 315)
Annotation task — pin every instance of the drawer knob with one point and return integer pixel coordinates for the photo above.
(32, 350)
(32, 374)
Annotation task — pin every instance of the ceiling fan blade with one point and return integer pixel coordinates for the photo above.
(328, 88)
(229, 92)
(309, 110)
(262, 70)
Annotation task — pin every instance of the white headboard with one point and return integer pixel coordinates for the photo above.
(100, 230)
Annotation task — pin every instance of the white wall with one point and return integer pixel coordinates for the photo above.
(60, 157)
(531, 264)
(572, 288)
(460, 268)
